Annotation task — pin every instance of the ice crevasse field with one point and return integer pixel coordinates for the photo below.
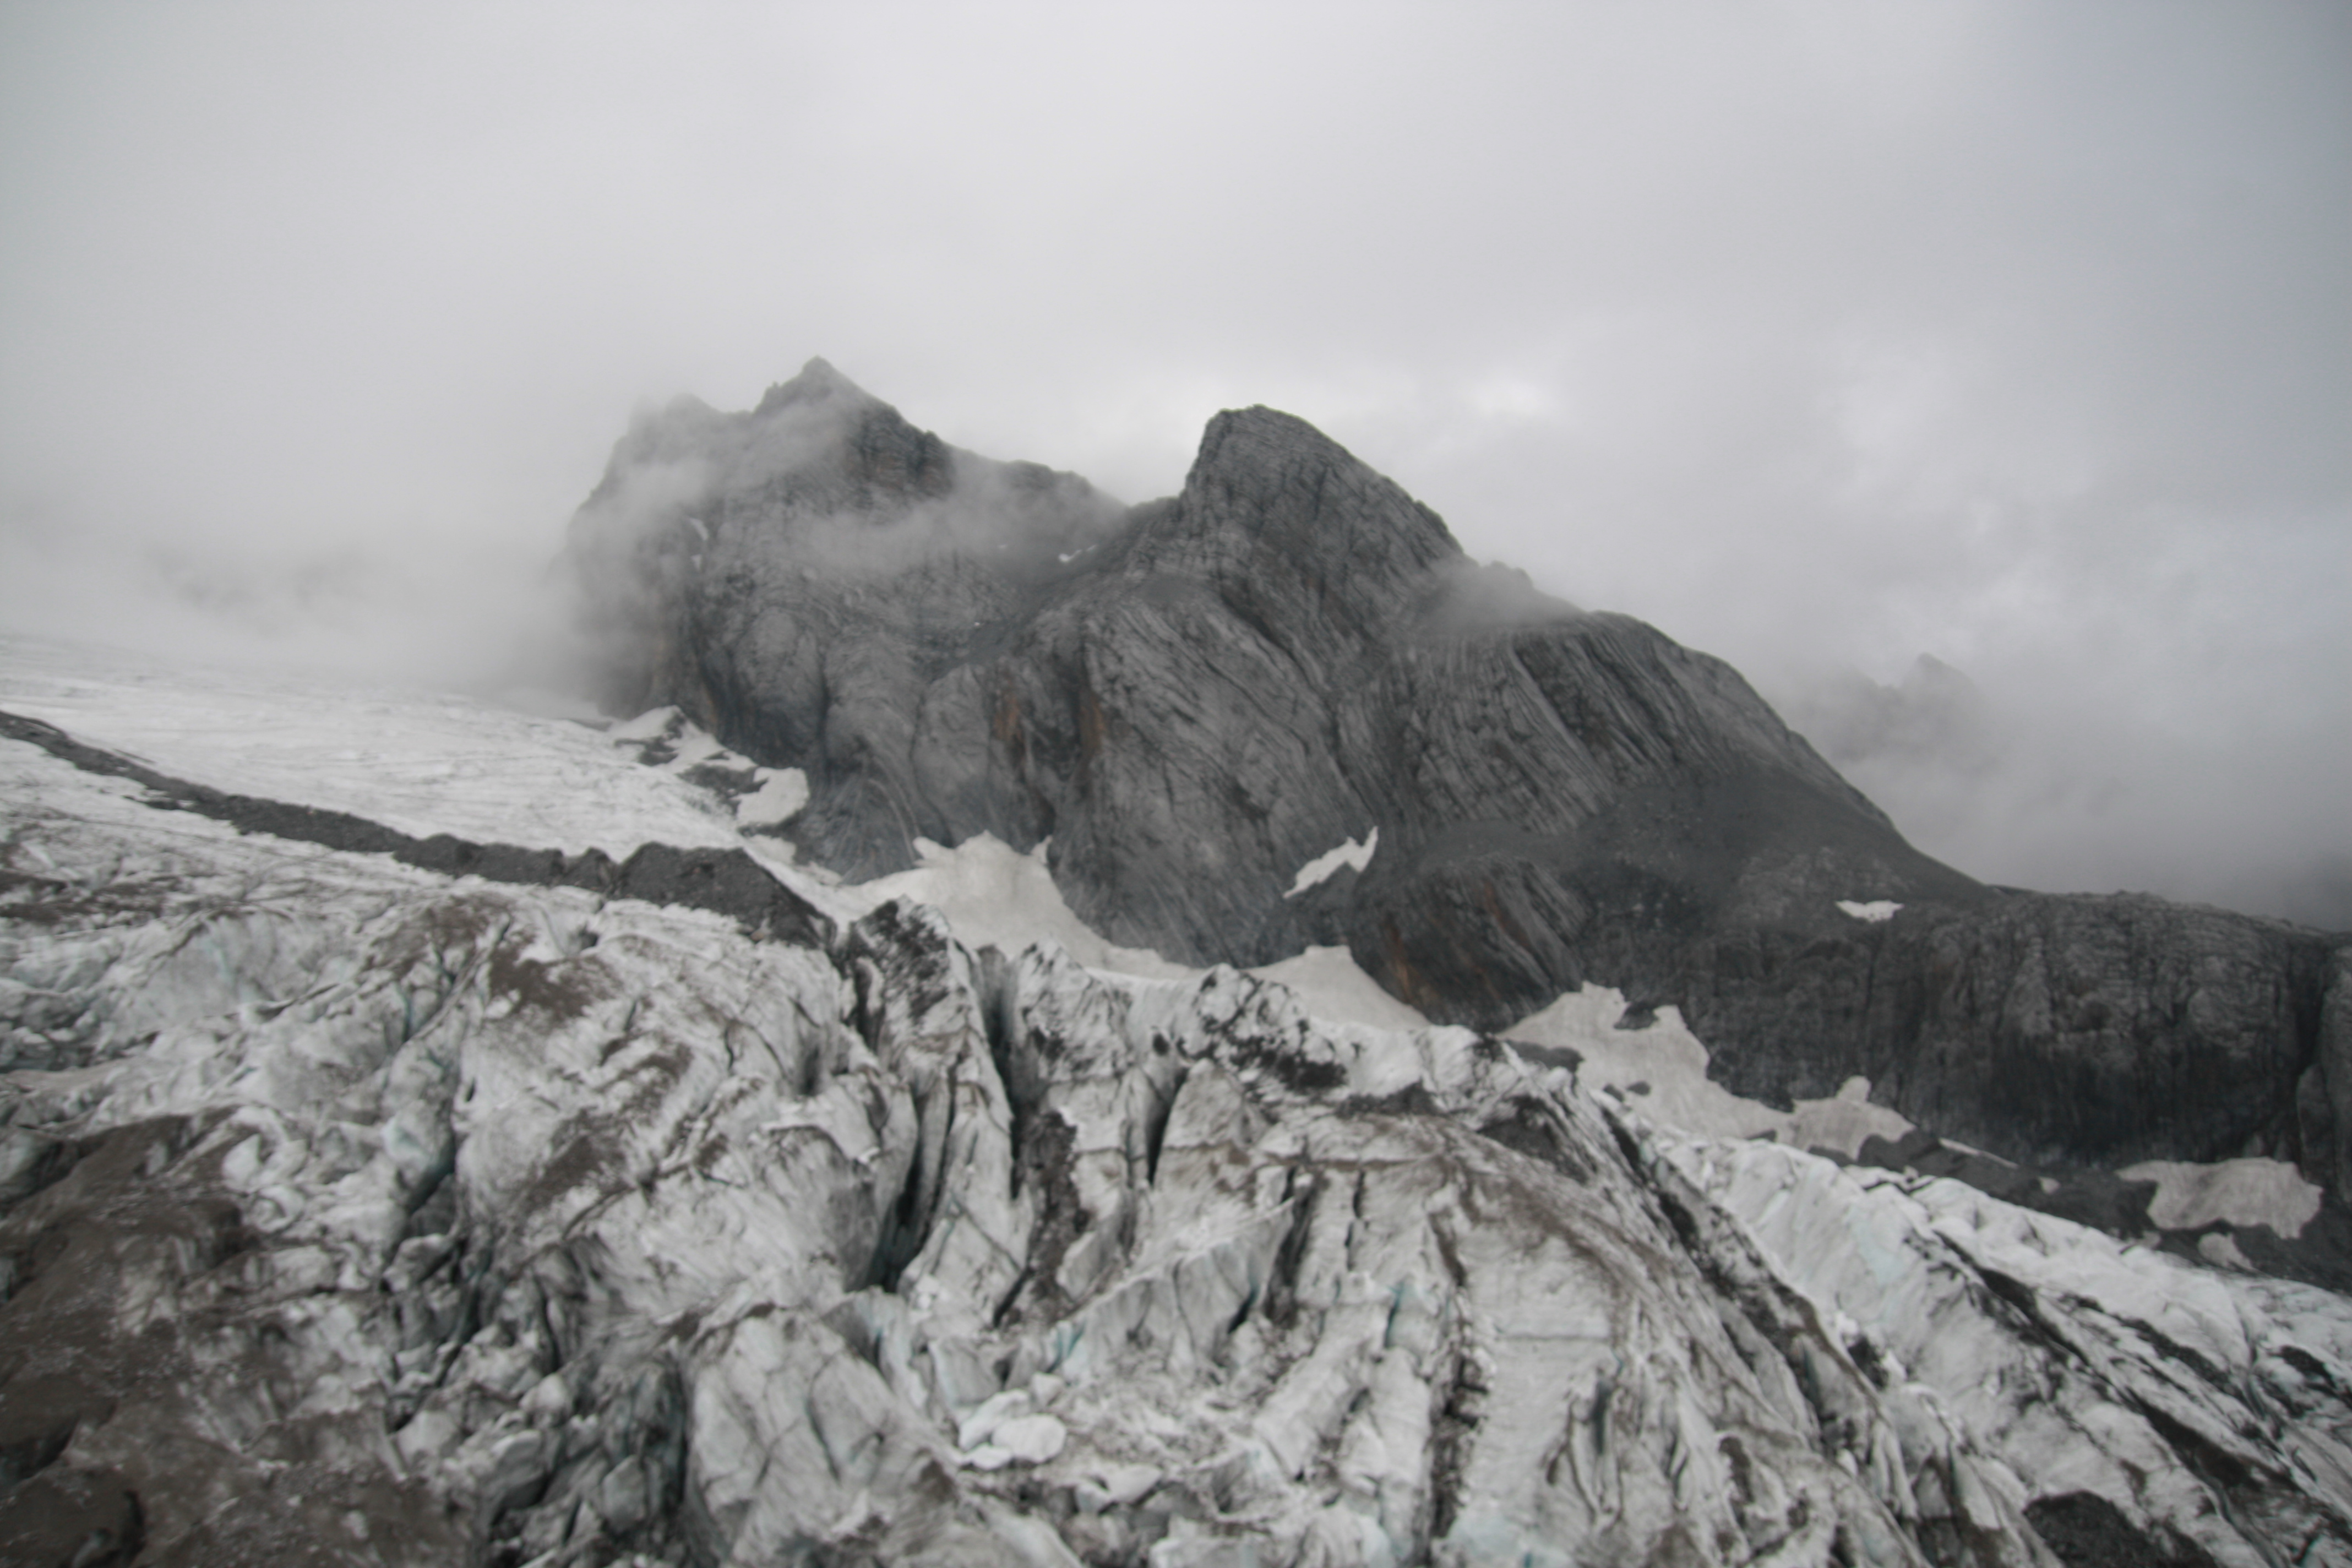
(1970, 1414)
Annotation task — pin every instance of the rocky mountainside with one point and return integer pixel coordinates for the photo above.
(397, 1175)
(914, 1090)
(1195, 698)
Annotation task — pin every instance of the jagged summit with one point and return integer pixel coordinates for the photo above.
(1261, 443)
(1297, 534)
(818, 381)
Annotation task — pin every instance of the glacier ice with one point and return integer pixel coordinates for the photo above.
(369, 1213)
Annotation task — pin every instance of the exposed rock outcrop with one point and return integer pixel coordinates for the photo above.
(1197, 696)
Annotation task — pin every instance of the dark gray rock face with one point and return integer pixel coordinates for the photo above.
(811, 577)
(1195, 697)
(2324, 1094)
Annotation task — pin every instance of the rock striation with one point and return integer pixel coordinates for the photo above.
(1195, 698)
(360, 1211)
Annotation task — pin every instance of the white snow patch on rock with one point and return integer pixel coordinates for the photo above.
(1661, 1071)
(1843, 1122)
(646, 726)
(1326, 865)
(695, 746)
(2239, 1192)
(781, 794)
(2217, 1248)
(1334, 986)
(995, 895)
(691, 746)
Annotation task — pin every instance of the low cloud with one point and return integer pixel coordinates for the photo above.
(2028, 788)
(476, 619)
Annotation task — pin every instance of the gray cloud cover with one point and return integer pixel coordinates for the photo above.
(1822, 334)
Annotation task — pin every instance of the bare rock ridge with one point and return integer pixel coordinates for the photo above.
(1195, 698)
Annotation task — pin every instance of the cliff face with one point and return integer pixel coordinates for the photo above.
(1195, 698)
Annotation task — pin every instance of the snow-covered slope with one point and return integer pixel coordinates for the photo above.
(354, 1213)
(421, 763)
(426, 763)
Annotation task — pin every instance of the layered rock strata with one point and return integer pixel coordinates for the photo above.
(1196, 698)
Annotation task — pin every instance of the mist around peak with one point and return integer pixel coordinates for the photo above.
(2023, 785)
(1472, 598)
(2030, 767)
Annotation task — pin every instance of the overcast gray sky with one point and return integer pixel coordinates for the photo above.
(1821, 334)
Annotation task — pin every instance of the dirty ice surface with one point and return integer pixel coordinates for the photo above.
(1504, 1261)
(2127, 1360)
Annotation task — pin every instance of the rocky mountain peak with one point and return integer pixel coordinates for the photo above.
(836, 447)
(1239, 441)
(1279, 479)
(1307, 543)
(817, 383)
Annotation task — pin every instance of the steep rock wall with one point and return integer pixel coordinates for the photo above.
(1195, 698)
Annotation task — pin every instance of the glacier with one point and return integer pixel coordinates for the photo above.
(359, 1211)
